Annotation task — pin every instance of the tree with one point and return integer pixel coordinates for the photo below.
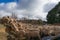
(54, 15)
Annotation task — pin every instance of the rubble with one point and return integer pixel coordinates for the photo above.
(21, 31)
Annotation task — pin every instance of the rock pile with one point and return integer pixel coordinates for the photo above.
(21, 31)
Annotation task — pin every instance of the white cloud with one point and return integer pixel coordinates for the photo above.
(24, 8)
(54, 1)
(11, 6)
(7, 8)
(34, 7)
(4, 13)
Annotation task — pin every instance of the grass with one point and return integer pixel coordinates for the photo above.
(3, 34)
(2, 28)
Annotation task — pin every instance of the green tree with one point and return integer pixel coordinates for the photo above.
(54, 15)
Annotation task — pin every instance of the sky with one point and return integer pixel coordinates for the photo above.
(32, 9)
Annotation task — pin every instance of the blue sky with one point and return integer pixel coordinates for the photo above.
(6, 1)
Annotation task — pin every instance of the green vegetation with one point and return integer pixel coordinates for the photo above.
(54, 15)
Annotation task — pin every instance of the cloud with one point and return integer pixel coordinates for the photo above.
(11, 6)
(7, 8)
(33, 9)
(54, 1)
(49, 6)
(4, 13)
